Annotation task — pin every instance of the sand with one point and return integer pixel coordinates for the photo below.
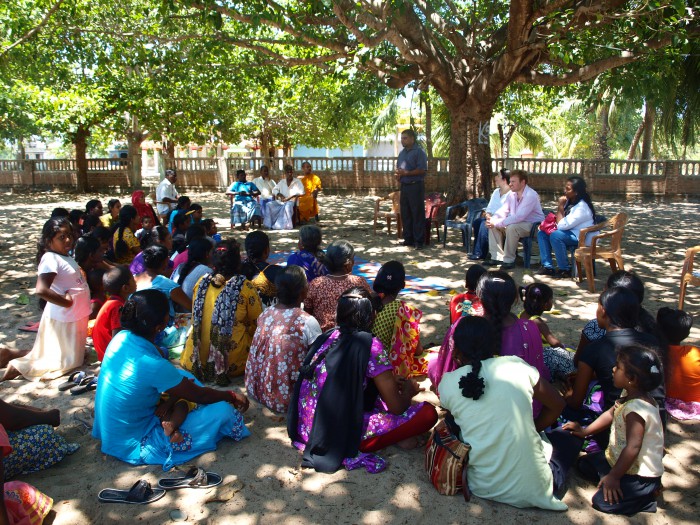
(263, 481)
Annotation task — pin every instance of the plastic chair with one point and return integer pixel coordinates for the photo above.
(688, 276)
(434, 202)
(587, 255)
(467, 212)
(572, 249)
(395, 213)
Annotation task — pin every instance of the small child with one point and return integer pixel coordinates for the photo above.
(180, 225)
(682, 364)
(60, 342)
(147, 225)
(119, 284)
(172, 414)
(538, 298)
(464, 304)
(211, 231)
(195, 212)
(111, 218)
(629, 472)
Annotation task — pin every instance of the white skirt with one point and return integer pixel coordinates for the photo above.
(59, 347)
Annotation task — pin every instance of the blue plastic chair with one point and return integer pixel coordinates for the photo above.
(470, 209)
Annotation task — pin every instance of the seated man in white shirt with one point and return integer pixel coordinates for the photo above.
(280, 212)
(574, 212)
(513, 220)
(266, 185)
(166, 195)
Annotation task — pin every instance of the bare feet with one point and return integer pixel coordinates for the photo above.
(172, 432)
(8, 354)
(10, 373)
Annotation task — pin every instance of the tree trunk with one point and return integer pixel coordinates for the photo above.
(504, 137)
(134, 138)
(601, 148)
(647, 136)
(428, 124)
(80, 142)
(470, 160)
(635, 142)
(21, 153)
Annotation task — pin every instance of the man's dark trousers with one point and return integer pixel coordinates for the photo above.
(413, 212)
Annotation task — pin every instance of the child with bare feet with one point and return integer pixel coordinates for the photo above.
(172, 414)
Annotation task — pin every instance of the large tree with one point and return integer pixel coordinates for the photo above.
(468, 52)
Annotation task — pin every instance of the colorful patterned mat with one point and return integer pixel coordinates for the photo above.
(369, 269)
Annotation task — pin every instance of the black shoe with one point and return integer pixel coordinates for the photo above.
(545, 271)
(406, 243)
(563, 274)
(473, 257)
(507, 266)
(491, 262)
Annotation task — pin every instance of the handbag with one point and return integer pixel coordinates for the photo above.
(549, 224)
(446, 461)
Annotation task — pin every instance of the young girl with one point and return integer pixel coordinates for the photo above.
(468, 303)
(309, 255)
(257, 270)
(538, 298)
(111, 218)
(125, 243)
(60, 342)
(89, 255)
(629, 472)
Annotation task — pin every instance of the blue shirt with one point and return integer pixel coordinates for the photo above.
(247, 187)
(165, 285)
(132, 377)
(308, 261)
(412, 159)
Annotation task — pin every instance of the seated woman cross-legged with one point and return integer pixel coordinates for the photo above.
(281, 341)
(510, 461)
(348, 401)
(574, 212)
(133, 376)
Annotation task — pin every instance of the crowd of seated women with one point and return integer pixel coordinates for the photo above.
(342, 359)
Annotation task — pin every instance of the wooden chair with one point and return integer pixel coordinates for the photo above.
(612, 229)
(461, 216)
(434, 203)
(394, 199)
(688, 276)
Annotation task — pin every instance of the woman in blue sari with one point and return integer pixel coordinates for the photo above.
(133, 376)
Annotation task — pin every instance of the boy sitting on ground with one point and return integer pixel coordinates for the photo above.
(119, 284)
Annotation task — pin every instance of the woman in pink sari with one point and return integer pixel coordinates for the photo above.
(397, 326)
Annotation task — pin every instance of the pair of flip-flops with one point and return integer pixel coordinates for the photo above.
(79, 383)
(142, 493)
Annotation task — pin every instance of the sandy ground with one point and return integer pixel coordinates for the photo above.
(263, 481)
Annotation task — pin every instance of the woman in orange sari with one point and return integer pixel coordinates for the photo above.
(397, 325)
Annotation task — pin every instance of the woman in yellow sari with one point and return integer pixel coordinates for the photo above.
(308, 203)
(225, 310)
(397, 325)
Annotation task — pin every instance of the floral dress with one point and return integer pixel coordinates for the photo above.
(397, 326)
(324, 293)
(279, 346)
(376, 422)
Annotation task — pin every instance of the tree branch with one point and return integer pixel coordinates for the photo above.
(29, 34)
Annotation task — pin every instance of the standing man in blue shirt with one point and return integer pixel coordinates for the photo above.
(411, 167)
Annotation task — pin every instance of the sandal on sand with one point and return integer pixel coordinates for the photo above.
(29, 327)
(196, 478)
(139, 494)
(73, 380)
(88, 384)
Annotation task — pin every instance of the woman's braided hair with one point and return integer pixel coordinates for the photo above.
(475, 340)
(498, 293)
